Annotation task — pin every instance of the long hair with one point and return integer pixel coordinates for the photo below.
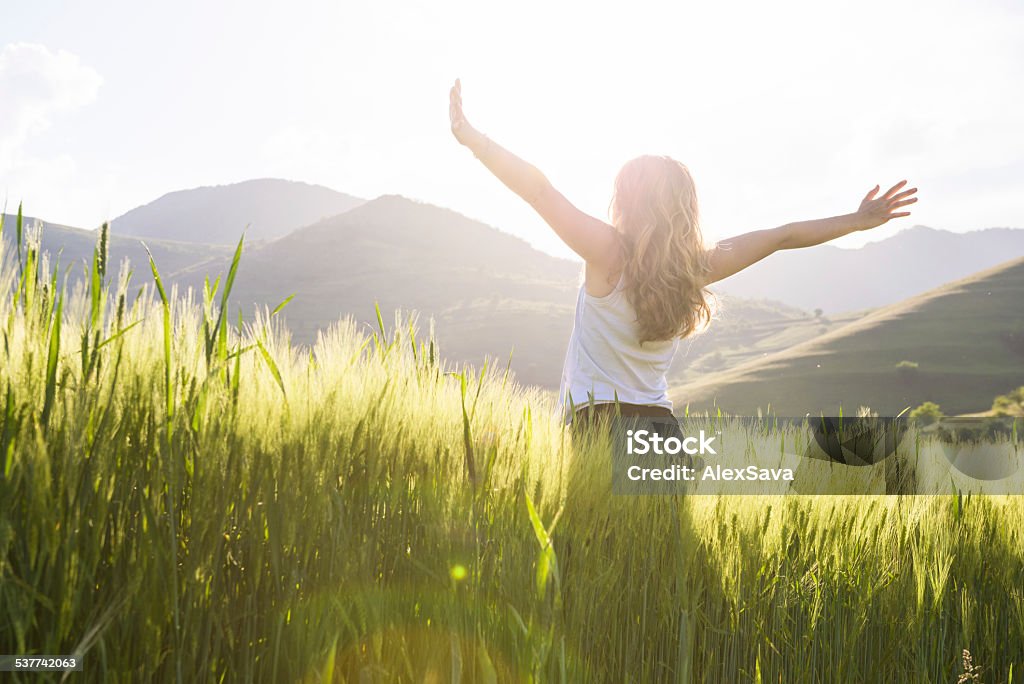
(655, 214)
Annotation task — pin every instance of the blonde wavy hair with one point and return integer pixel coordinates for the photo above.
(655, 214)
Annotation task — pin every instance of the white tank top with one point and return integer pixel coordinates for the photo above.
(605, 359)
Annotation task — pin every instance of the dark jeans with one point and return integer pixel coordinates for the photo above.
(620, 418)
(596, 413)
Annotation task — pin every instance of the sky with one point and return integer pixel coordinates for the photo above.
(783, 111)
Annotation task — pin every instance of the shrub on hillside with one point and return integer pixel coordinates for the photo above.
(927, 413)
(1009, 404)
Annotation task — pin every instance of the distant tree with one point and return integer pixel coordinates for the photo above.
(817, 313)
(906, 369)
(927, 413)
(1009, 404)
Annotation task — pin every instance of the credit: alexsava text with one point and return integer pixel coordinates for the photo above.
(715, 472)
(646, 442)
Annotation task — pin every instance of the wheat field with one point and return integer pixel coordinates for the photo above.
(186, 498)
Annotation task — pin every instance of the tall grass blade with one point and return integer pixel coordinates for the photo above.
(272, 366)
(52, 359)
(467, 433)
(282, 304)
(220, 331)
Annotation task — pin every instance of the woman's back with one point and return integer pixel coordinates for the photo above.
(605, 360)
(654, 240)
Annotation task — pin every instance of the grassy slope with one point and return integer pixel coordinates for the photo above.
(748, 329)
(967, 337)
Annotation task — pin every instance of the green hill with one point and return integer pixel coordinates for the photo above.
(75, 247)
(966, 339)
(490, 293)
(746, 329)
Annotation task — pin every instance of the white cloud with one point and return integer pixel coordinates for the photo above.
(38, 84)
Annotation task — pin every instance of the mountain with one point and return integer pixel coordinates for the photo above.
(269, 207)
(74, 246)
(966, 339)
(879, 273)
(490, 294)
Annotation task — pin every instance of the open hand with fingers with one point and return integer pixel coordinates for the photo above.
(461, 128)
(874, 211)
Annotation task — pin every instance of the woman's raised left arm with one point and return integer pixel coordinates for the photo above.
(733, 255)
(592, 239)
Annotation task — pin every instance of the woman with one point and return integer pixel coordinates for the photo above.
(646, 272)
